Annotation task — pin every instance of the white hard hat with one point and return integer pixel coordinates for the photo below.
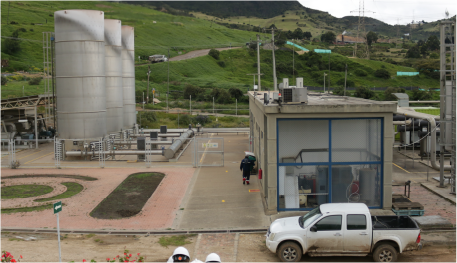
(213, 257)
(196, 261)
(181, 251)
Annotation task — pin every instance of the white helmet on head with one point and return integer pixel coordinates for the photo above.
(181, 251)
(213, 257)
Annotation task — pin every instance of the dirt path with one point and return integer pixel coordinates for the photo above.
(197, 53)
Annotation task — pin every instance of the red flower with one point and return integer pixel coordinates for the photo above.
(21, 255)
(117, 256)
(126, 261)
(107, 259)
(13, 260)
(130, 255)
(125, 253)
(84, 260)
(138, 254)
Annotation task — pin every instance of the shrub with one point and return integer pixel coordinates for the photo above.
(224, 97)
(4, 80)
(236, 93)
(360, 72)
(418, 94)
(191, 90)
(202, 119)
(363, 92)
(31, 29)
(434, 56)
(221, 63)
(35, 81)
(185, 119)
(349, 82)
(388, 93)
(340, 91)
(382, 73)
(214, 53)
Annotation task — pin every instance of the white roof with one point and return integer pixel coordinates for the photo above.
(344, 207)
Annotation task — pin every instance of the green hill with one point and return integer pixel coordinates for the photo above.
(180, 33)
(224, 9)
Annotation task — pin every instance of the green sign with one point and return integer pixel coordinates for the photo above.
(57, 207)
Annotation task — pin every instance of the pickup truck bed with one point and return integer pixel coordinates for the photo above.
(393, 222)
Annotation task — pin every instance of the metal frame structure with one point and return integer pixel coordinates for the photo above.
(58, 151)
(48, 78)
(330, 163)
(24, 102)
(197, 152)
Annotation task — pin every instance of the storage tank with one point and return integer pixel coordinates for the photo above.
(113, 72)
(128, 75)
(80, 73)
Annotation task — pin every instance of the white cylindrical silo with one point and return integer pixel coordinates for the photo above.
(80, 73)
(128, 75)
(113, 72)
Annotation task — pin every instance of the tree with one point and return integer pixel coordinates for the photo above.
(382, 73)
(423, 50)
(413, 52)
(328, 37)
(236, 93)
(429, 67)
(363, 92)
(214, 53)
(433, 43)
(307, 35)
(418, 94)
(4, 80)
(223, 97)
(371, 37)
(298, 33)
(191, 90)
(12, 45)
(388, 93)
(280, 39)
(272, 26)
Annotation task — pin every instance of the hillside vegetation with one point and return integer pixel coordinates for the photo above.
(180, 34)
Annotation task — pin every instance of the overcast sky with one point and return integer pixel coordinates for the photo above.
(388, 11)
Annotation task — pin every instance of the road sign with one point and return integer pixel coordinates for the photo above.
(57, 207)
(153, 91)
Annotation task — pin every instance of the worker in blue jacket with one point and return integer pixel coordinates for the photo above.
(245, 166)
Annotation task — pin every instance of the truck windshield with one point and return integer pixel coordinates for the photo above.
(307, 219)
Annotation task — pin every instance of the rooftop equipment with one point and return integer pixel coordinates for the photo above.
(80, 73)
(113, 72)
(128, 75)
(293, 93)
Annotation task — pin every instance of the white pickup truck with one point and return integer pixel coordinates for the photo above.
(343, 229)
(158, 58)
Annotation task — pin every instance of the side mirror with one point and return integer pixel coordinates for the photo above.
(313, 229)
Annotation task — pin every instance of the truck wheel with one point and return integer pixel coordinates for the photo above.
(289, 252)
(385, 253)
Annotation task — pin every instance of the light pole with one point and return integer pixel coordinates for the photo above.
(324, 81)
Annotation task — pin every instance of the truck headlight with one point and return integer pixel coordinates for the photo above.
(272, 236)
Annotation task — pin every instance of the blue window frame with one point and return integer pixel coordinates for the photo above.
(345, 155)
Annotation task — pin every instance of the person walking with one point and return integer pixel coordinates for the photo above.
(245, 166)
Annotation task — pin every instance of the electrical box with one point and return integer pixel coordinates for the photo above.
(163, 129)
(294, 94)
(153, 135)
(141, 143)
(266, 98)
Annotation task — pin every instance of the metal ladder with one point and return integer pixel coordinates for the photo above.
(57, 152)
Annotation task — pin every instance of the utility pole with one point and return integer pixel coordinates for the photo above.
(293, 63)
(362, 11)
(398, 32)
(8, 17)
(147, 96)
(274, 63)
(345, 77)
(258, 62)
(168, 82)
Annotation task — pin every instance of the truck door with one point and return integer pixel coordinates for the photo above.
(328, 237)
(357, 237)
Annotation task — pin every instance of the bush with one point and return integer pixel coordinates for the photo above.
(202, 119)
(185, 119)
(224, 97)
(388, 93)
(340, 91)
(418, 94)
(360, 72)
(363, 92)
(382, 73)
(235, 93)
(191, 90)
(221, 63)
(434, 56)
(4, 80)
(35, 81)
(349, 82)
(214, 53)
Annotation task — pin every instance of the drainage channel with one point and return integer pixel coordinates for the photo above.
(117, 232)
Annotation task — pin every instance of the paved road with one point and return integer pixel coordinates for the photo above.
(197, 53)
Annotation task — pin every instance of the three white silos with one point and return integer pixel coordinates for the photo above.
(95, 74)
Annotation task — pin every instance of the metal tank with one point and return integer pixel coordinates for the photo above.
(128, 75)
(80, 73)
(113, 72)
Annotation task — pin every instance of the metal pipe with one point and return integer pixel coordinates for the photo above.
(115, 152)
(170, 152)
(163, 135)
(432, 130)
(135, 142)
(407, 122)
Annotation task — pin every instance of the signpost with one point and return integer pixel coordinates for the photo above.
(57, 209)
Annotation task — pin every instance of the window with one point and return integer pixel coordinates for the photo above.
(356, 222)
(329, 223)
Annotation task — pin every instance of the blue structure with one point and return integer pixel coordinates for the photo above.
(399, 73)
(297, 46)
(322, 50)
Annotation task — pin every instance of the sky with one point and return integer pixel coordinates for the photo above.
(388, 11)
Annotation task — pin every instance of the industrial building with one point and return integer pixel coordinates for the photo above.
(319, 148)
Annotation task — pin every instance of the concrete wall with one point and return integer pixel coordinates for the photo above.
(270, 157)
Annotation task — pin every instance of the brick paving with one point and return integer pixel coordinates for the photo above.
(433, 204)
(158, 212)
